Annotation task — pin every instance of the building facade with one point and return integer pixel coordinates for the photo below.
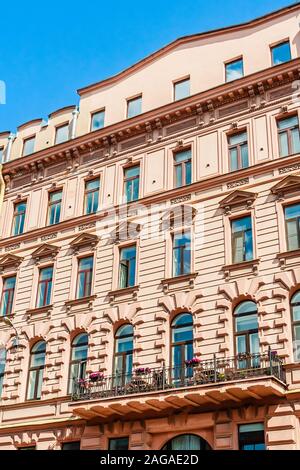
(150, 254)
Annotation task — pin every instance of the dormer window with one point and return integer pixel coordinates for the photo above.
(134, 106)
(281, 53)
(181, 89)
(62, 134)
(234, 70)
(28, 146)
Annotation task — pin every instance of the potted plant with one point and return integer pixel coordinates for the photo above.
(194, 362)
(142, 371)
(96, 376)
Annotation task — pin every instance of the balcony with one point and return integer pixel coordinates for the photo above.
(216, 381)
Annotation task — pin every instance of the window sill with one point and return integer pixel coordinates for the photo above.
(36, 311)
(85, 301)
(127, 291)
(245, 265)
(282, 257)
(188, 278)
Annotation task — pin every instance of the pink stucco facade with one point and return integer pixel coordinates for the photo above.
(267, 392)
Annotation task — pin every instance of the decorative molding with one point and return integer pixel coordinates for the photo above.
(180, 199)
(237, 198)
(252, 265)
(237, 183)
(287, 169)
(84, 240)
(10, 261)
(288, 185)
(45, 251)
(187, 278)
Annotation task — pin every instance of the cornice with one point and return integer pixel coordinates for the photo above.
(246, 88)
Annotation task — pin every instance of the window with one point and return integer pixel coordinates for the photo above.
(123, 354)
(2, 367)
(181, 253)
(97, 120)
(79, 353)
(238, 151)
(75, 445)
(19, 218)
(181, 89)
(181, 346)
(121, 443)
(295, 306)
(54, 207)
(134, 107)
(242, 240)
(246, 333)
(1, 154)
(131, 183)
(27, 448)
(91, 196)
(44, 287)
(62, 134)
(252, 437)
(36, 370)
(8, 292)
(292, 224)
(183, 168)
(28, 146)
(84, 277)
(234, 70)
(288, 136)
(187, 442)
(281, 53)
(127, 267)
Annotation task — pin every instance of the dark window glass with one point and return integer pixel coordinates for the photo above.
(181, 253)
(238, 151)
(71, 445)
(131, 183)
(19, 218)
(121, 443)
(44, 287)
(91, 196)
(295, 306)
(123, 354)
(281, 53)
(127, 267)
(79, 353)
(288, 136)
(183, 168)
(97, 120)
(246, 333)
(36, 371)
(187, 442)
(181, 346)
(252, 437)
(242, 241)
(182, 89)
(8, 293)
(27, 448)
(134, 107)
(84, 277)
(234, 70)
(292, 223)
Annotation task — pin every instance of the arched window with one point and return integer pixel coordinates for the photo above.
(2, 366)
(79, 352)
(36, 370)
(295, 305)
(182, 340)
(187, 442)
(123, 352)
(246, 328)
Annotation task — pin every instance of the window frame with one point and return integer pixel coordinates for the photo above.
(130, 100)
(245, 333)
(4, 278)
(93, 113)
(285, 206)
(40, 370)
(238, 146)
(50, 204)
(17, 214)
(70, 384)
(26, 139)
(120, 249)
(59, 126)
(277, 44)
(294, 322)
(79, 258)
(183, 165)
(177, 82)
(87, 192)
(116, 439)
(231, 220)
(232, 61)
(250, 441)
(279, 118)
(123, 354)
(181, 344)
(173, 235)
(131, 178)
(40, 269)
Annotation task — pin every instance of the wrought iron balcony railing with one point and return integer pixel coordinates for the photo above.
(214, 371)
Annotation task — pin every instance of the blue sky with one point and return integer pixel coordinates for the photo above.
(50, 49)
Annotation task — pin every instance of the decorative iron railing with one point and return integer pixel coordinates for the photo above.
(216, 370)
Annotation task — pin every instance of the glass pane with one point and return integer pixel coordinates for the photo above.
(54, 197)
(28, 147)
(238, 248)
(246, 307)
(97, 120)
(241, 344)
(234, 165)
(81, 339)
(244, 156)
(86, 263)
(238, 138)
(181, 89)
(281, 53)
(46, 273)
(292, 211)
(135, 191)
(185, 443)
(134, 107)
(31, 384)
(121, 443)
(128, 191)
(124, 330)
(247, 322)
(243, 224)
(188, 173)
(178, 176)
(234, 70)
(286, 123)
(283, 144)
(251, 427)
(295, 140)
(254, 343)
(182, 319)
(182, 156)
(184, 333)
(248, 245)
(92, 184)
(132, 171)
(62, 134)
(292, 235)
(79, 353)
(124, 344)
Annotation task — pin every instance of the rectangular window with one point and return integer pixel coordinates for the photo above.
(97, 120)
(62, 134)
(183, 168)
(181, 253)
(181, 89)
(134, 107)
(242, 240)
(252, 437)
(131, 183)
(234, 70)
(127, 267)
(44, 287)
(19, 218)
(2, 367)
(288, 136)
(91, 196)
(238, 151)
(1, 154)
(54, 207)
(292, 223)
(28, 146)
(27, 448)
(75, 445)
(8, 292)
(281, 53)
(122, 443)
(84, 277)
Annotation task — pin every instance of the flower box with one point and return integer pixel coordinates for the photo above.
(96, 376)
(194, 362)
